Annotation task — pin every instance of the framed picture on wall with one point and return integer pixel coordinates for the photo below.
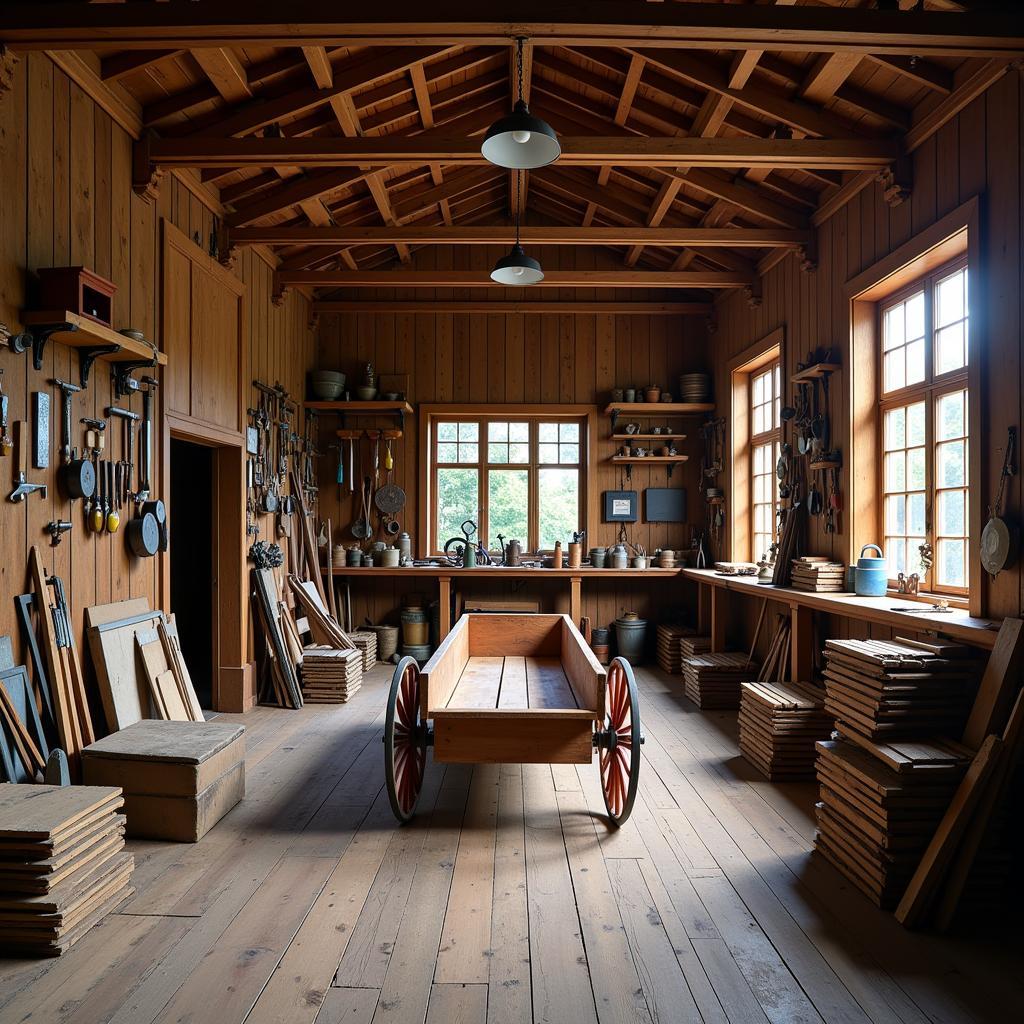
(620, 507)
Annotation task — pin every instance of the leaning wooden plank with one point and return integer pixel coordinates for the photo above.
(29, 753)
(995, 792)
(113, 653)
(68, 729)
(167, 687)
(999, 684)
(168, 630)
(154, 663)
(100, 614)
(918, 896)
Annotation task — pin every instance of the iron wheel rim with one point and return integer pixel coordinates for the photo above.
(619, 759)
(405, 741)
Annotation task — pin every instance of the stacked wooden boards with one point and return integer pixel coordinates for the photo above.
(179, 778)
(691, 645)
(712, 681)
(670, 656)
(330, 676)
(879, 807)
(895, 689)
(63, 866)
(818, 575)
(779, 724)
(366, 643)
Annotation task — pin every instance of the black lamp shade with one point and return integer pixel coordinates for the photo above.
(521, 141)
(517, 269)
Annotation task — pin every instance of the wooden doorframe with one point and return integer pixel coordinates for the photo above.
(234, 671)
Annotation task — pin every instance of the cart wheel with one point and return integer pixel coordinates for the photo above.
(619, 742)
(405, 741)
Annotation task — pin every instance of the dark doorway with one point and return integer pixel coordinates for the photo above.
(192, 559)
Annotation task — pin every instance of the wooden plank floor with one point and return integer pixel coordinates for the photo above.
(507, 900)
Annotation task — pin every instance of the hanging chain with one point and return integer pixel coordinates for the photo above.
(519, 51)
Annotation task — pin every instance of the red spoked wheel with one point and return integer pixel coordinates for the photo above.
(619, 742)
(405, 741)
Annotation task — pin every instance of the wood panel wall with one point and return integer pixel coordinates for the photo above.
(484, 358)
(979, 153)
(66, 199)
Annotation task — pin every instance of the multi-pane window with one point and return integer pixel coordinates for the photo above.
(519, 477)
(765, 440)
(924, 406)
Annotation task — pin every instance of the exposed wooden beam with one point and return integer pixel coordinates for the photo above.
(121, 65)
(379, 191)
(294, 192)
(224, 69)
(837, 199)
(706, 74)
(928, 121)
(455, 185)
(923, 72)
(501, 234)
(535, 307)
(579, 151)
(237, 23)
(827, 74)
(744, 196)
(319, 66)
(479, 279)
(356, 72)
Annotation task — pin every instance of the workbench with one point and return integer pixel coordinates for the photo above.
(891, 610)
(445, 574)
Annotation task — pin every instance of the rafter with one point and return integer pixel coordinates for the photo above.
(235, 23)
(579, 151)
(121, 65)
(532, 307)
(827, 74)
(475, 279)
(225, 72)
(501, 233)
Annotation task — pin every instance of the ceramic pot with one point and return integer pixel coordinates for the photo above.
(652, 393)
(629, 395)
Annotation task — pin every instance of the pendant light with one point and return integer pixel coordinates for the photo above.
(517, 268)
(521, 140)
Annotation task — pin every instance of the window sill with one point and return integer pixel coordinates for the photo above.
(953, 600)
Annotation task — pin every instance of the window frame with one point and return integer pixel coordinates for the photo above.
(743, 368)
(771, 437)
(952, 235)
(933, 387)
(430, 416)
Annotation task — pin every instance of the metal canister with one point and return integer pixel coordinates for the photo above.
(404, 547)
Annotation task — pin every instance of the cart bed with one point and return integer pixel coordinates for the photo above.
(513, 683)
(513, 688)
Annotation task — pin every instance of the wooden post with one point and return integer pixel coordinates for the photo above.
(801, 652)
(575, 599)
(719, 611)
(704, 609)
(444, 600)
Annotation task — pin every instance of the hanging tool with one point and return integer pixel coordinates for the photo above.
(145, 443)
(99, 511)
(129, 419)
(56, 530)
(77, 476)
(113, 518)
(22, 488)
(6, 443)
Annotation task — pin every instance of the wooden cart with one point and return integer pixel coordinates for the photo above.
(522, 689)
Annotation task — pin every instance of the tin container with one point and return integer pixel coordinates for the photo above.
(872, 576)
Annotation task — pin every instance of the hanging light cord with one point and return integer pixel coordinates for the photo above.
(518, 211)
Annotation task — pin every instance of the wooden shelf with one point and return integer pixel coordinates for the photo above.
(647, 437)
(656, 408)
(827, 464)
(362, 408)
(640, 460)
(814, 372)
(80, 332)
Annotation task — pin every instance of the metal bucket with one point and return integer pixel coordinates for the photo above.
(630, 638)
(421, 652)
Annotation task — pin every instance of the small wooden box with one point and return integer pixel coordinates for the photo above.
(79, 290)
(179, 778)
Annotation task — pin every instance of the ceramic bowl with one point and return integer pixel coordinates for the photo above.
(366, 394)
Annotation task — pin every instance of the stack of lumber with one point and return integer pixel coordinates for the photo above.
(330, 676)
(63, 866)
(670, 656)
(818, 575)
(178, 778)
(779, 724)
(880, 806)
(897, 689)
(366, 643)
(714, 680)
(692, 645)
